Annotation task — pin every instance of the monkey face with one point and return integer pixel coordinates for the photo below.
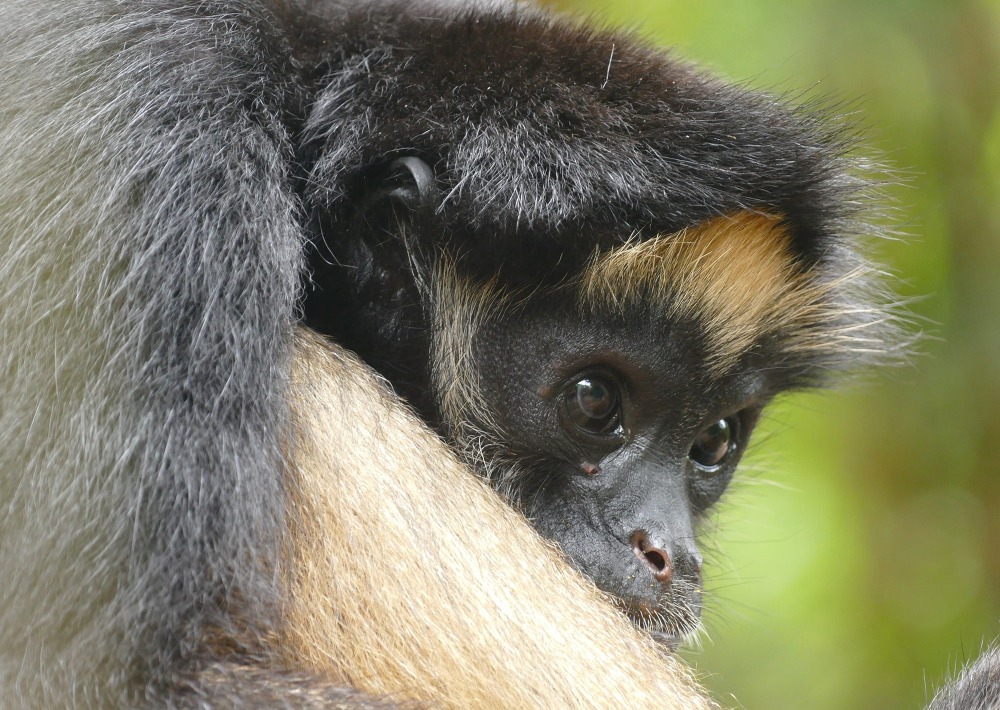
(609, 402)
(613, 407)
(609, 396)
(610, 434)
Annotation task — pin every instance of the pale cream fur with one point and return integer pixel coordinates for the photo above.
(407, 576)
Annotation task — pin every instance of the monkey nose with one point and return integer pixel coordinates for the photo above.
(655, 557)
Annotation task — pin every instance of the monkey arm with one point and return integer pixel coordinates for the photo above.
(397, 552)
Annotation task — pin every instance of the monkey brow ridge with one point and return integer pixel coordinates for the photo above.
(735, 275)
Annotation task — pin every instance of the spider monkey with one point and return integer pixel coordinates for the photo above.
(586, 264)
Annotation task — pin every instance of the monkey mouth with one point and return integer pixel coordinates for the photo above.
(669, 622)
(671, 642)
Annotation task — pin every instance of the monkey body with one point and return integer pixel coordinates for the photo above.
(205, 506)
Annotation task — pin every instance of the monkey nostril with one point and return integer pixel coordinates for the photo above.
(657, 559)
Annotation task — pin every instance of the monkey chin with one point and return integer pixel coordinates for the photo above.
(667, 641)
(673, 620)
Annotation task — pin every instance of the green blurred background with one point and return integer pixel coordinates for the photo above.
(855, 563)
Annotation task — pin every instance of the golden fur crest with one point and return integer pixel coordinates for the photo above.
(735, 275)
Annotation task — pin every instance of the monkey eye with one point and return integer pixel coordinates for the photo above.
(593, 405)
(715, 444)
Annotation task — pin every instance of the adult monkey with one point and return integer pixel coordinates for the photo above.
(164, 165)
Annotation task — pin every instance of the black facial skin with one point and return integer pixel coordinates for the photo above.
(629, 443)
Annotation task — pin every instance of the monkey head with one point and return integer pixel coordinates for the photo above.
(589, 265)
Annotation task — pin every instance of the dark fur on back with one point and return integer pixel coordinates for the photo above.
(152, 262)
(218, 265)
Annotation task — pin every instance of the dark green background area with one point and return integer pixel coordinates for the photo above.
(856, 560)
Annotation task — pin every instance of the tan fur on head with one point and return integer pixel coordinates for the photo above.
(408, 577)
(735, 275)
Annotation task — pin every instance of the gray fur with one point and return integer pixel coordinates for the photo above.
(151, 257)
(977, 688)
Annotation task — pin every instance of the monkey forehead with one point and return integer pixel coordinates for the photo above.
(738, 276)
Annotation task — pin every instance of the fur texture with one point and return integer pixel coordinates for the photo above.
(561, 142)
(150, 265)
(739, 279)
(977, 688)
(163, 165)
(151, 239)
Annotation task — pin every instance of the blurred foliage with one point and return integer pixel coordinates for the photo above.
(856, 563)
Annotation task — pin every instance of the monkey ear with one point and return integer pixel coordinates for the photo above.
(406, 188)
(390, 250)
(400, 204)
(411, 181)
